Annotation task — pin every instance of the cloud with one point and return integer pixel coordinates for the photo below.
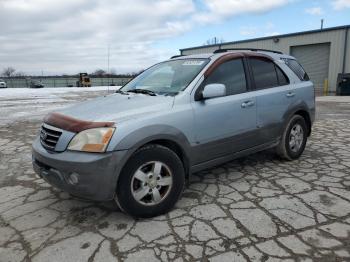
(232, 7)
(71, 36)
(314, 11)
(259, 31)
(218, 10)
(248, 31)
(341, 4)
(272, 33)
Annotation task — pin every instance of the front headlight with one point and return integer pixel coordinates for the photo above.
(92, 140)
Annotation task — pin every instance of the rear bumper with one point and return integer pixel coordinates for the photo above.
(88, 175)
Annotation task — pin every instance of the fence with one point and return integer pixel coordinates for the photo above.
(14, 82)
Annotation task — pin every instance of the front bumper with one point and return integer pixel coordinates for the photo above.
(97, 173)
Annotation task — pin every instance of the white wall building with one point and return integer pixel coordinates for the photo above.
(323, 53)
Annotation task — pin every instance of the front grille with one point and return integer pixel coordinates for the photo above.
(49, 137)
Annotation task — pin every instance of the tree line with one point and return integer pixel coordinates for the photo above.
(12, 72)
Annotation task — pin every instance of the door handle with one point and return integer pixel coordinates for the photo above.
(247, 104)
(290, 94)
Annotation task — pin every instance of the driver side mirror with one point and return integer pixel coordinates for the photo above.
(213, 90)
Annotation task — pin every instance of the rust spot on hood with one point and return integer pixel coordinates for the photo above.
(72, 124)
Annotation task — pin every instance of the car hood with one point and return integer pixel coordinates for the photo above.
(118, 107)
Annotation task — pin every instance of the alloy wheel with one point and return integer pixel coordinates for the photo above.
(151, 183)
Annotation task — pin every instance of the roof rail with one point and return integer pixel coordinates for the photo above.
(248, 49)
(175, 56)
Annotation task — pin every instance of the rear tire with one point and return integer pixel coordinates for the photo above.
(294, 139)
(151, 182)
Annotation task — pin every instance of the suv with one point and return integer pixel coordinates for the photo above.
(36, 84)
(139, 145)
(2, 84)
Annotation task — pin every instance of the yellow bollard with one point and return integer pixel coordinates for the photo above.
(325, 87)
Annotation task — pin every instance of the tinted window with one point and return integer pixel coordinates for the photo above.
(297, 69)
(231, 74)
(264, 73)
(282, 78)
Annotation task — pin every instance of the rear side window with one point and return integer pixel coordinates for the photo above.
(264, 73)
(282, 78)
(232, 75)
(297, 69)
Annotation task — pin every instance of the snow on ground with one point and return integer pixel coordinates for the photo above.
(27, 103)
(49, 92)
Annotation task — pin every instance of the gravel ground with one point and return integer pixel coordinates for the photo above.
(256, 208)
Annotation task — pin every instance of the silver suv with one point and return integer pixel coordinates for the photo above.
(139, 145)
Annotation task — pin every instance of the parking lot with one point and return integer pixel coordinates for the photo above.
(256, 208)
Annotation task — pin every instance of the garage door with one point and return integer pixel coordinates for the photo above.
(315, 60)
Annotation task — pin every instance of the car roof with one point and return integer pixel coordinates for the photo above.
(273, 55)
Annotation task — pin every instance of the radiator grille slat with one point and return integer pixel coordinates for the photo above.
(49, 138)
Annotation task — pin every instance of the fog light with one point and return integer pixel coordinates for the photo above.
(73, 179)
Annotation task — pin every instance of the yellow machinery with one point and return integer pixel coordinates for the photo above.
(84, 80)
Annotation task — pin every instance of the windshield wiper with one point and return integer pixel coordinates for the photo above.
(142, 91)
(121, 92)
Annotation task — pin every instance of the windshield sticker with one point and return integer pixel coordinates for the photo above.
(193, 62)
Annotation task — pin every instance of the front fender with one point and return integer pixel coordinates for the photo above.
(145, 135)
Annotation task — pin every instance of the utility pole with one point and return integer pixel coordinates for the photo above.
(322, 20)
(108, 67)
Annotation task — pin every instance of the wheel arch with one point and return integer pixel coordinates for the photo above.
(307, 118)
(170, 137)
(176, 148)
(302, 110)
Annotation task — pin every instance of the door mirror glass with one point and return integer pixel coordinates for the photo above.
(214, 90)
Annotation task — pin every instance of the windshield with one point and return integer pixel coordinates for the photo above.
(167, 78)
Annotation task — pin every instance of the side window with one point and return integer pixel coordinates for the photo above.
(297, 69)
(231, 74)
(264, 73)
(282, 78)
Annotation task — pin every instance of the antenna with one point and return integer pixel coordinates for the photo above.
(108, 68)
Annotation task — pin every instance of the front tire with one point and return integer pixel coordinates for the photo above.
(151, 182)
(294, 139)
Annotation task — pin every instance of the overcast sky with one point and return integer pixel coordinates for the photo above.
(70, 36)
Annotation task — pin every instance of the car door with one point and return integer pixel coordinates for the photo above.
(224, 125)
(273, 96)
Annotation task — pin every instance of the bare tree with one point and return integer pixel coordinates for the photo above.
(112, 71)
(213, 41)
(8, 71)
(19, 74)
(99, 72)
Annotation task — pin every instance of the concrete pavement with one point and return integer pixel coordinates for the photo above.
(256, 208)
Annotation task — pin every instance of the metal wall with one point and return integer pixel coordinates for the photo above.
(347, 51)
(283, 43)
(14, 82)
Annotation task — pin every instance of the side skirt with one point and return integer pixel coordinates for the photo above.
(230, 157)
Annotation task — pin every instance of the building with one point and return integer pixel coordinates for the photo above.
(323, 53)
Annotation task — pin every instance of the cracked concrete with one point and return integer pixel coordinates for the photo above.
(257, 208)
